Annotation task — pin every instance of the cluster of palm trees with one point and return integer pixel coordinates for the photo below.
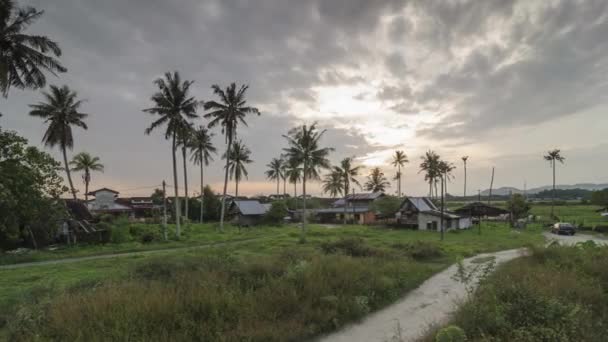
(175, 109)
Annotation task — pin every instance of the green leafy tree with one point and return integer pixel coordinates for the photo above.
(29, 193)
(231, 110)
(202, 149)
(387, 206)
(238, 157)
(275, 171)
(518, 207)
(60, 111)
(304, 150)
(376, 181)
(399, 159)
(552, 157)
(276, 213)
(333, 184)
(174, 106)
(84, 162)
(24, 57)
(600, 197)
(348, 172)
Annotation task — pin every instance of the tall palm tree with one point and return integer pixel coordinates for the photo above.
(303, 148)
(348, 173)
(333, 184)
(238, 157)
(275, 171)
(227, 113)
(376, 181)
(464, 160)
(202, 149)
(184, 137)
(445, 173)
(399, 159)
(293, 172)
(87, 163)
(61, 111)
(430, 162)
(23, 57)
(174, 105)
(552, 157)
(284, 168)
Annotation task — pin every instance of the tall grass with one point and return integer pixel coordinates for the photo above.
(286, 297)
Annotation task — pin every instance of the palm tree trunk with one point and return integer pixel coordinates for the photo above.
(175, 186)
(236, 193)
(67, 171)
(202, 188)
(87, 180)
(465, 181)
(431, 188)
(295, 196)
(553, 192)
(278, 185)
(187, 204)
(399, 181)
(223, 210)
(304, 213)
(441, 227)
(284, 186)
(345, 197)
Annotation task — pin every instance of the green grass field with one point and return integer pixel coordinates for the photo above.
(24, 291)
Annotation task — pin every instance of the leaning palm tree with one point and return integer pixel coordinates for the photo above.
(464, 160)
(227, 113)
(238, 157)
(333, 184)
(430, 163)
(61, 111)
(202, 149)
(376, 181)
(86, 163)
(304, 150)
(23, 57)
(174, 106)
(399, 159)
(184, 136)
(552, 157)
(275, 171)
(348, 173)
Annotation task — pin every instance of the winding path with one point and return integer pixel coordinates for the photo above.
(430, 304)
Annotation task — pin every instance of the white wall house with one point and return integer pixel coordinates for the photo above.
(421, 213)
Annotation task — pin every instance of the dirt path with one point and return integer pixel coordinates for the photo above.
(431, 303)
(120, 255)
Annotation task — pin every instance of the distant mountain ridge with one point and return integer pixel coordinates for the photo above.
(506, 190)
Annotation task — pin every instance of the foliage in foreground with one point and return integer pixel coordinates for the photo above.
(558, 294)
(289, 296)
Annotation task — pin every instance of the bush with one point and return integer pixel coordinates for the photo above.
(119, 234)
(354, 247)
(451, 333)
(276, 213)
(421, 250)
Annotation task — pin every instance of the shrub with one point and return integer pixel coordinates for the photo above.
(276, 213)
(451, 333)
(119, 234)
(421, 250)
(354, 247)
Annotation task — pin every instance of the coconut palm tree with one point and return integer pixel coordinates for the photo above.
(293, 172)
(333, 184)
(275, 171)
(228, 112)
(430, 162)
(304, 150)
(23, 57)
(445, 171)
(464, 160)
(348, 173)
(238, 157)
(284, 168)
(202, 149)
(87, 163)
(184, 136)
(61, 111)
(552, 157)
(175, 106)
(376, 181)
(399, 159)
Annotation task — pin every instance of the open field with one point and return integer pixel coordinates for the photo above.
(339, 275)
(556, 294)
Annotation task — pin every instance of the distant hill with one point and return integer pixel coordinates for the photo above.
(506, 190)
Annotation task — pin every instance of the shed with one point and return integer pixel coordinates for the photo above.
(247, 212)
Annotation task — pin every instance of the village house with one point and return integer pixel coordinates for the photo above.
(358, 209)
(106, 201)
(247, 212)
(422, 214)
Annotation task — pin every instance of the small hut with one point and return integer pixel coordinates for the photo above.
(479, 209)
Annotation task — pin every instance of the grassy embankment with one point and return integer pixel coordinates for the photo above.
(271, 288)
(557, 294)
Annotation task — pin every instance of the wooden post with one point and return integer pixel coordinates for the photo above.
(491, 184)
(164, 211)
(441, 220)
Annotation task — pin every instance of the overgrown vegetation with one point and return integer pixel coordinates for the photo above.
(557, 294)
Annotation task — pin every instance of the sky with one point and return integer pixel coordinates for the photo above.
(500, 81)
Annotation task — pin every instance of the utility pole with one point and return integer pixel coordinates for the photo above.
(164, 211)
(442, 206)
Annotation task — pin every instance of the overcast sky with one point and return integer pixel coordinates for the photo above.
(500, 81)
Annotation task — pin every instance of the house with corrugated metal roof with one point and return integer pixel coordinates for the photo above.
(247, 212)
(421, 213)
(357, 207)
